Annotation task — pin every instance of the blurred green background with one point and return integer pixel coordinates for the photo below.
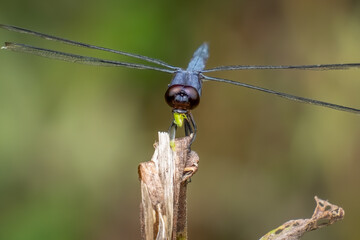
(72, 136)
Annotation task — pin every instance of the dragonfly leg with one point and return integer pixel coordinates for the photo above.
(188, 128)
(193, 126)
(186, 120)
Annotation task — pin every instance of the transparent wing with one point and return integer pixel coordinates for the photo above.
(285, 95)
(76, 58)
(79, 44)
(321, 67)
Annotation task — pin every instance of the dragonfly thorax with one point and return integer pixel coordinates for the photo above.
(181, 97)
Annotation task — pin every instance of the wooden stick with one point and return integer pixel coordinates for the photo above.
(164, 182)
(325, 214)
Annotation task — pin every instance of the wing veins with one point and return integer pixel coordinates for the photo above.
(69, 57)
(85, 45)
(316, 67)
(285, 95)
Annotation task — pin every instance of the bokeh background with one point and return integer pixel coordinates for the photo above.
(72, 136)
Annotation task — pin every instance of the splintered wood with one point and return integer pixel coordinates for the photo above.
(164, 182)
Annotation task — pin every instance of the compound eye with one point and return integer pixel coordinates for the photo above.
(182, 97)
(193, 96)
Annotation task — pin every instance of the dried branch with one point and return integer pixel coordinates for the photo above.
(325, 214)
(163, 189)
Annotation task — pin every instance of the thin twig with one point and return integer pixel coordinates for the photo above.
(325, 214)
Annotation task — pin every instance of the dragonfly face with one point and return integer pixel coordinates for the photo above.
(184, 91)
(182, 98)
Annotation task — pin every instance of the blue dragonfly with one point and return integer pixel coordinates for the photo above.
(184, 91)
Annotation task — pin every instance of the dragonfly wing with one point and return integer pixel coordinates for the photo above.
(69, 57)
(318, 67)
(79, 44)
(286, 95)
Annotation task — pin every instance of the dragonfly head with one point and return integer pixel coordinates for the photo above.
(182, 98)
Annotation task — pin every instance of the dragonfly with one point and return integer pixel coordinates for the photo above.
(184, 90)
